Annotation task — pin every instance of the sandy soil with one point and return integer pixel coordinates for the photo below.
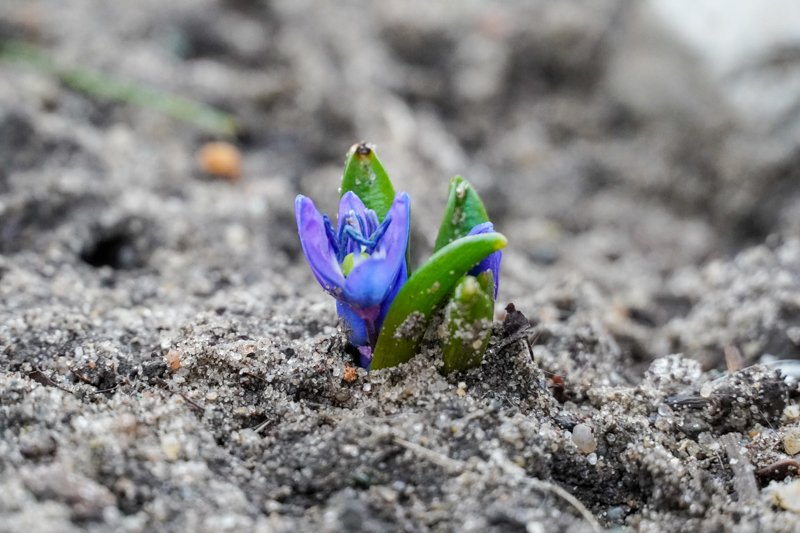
(167, 362)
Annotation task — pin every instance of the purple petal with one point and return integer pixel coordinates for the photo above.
(372, 222)
(368, 283)
(492, 262)
(317, 248)
(372, 279)
(402, 277)
(357, 332)
(395, 240)
(364, 356)
(350, 202)
(485, 227)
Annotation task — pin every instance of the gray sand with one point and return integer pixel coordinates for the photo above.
(168, 362)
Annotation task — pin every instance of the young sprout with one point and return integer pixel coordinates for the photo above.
(362, 261)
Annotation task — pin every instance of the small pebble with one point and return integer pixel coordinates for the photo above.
(173, 358)
(171, 447)
(787, 496)
(792, 412)
(584, 439)
(615, 514)
(350, 374)
(220, 159)
(791, 441)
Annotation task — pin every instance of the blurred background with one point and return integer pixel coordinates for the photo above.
(642, 157)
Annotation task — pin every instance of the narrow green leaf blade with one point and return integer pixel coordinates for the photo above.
(100, 85)
(366, 177)
(425, 291)
(467, 323)
(464, 211)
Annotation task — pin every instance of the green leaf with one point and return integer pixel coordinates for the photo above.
(463, 212)
(468, 323)
(365, 176)
(424, 292)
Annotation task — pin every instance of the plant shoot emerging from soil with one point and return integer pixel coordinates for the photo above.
(362, 261)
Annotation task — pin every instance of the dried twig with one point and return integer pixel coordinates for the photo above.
(453, 465)
(192, 402)
(261, 426)
(109, 389)
(38, 375)
(514, 471)
(585, 513)
(744, 481)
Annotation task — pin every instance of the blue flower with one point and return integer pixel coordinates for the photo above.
(492, 262)
(361, 262)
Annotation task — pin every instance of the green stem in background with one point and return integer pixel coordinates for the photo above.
(427, 290)
(102, 85)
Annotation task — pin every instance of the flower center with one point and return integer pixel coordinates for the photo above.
(357, 236)
(350, 261)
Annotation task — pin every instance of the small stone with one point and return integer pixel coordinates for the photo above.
(37, 444)
(171, 447)
(791, 441)
(173, 358)
(350, 374)
(584, 439)
(792, 412)
(387, 494)
(615, 514)
(591, 458)
(220, 159)
(787, 496)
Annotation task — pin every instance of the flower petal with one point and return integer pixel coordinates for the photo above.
(394, 242)
(402, 277)
(350, 202)
(364, 356)
(371, 280)
(356, 327)
(492, 262)
(368, 283)
(317, 247)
